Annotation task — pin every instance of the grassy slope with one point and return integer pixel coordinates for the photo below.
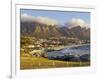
(28, 62)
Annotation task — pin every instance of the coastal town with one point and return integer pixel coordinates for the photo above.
(37, 47)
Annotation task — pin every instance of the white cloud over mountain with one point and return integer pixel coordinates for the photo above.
(49, 21)
(77, 22)
(26, 17)
(40, 19)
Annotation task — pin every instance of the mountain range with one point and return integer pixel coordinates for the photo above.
(42, 30)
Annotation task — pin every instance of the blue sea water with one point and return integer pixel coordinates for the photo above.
(77, 50)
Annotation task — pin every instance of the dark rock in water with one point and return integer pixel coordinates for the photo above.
(75, 59)
(63, 57)
(53, 57)
(85, 57)
(68, 57)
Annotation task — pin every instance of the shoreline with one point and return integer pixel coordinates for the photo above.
(69, 46)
